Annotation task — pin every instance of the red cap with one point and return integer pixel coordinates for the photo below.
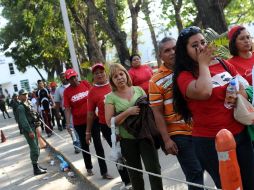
(233, 30)
(53, 84)
(96, 66)
(70, 73)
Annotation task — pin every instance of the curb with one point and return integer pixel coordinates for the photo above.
(72, 166)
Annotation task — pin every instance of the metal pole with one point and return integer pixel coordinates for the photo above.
(69, 37)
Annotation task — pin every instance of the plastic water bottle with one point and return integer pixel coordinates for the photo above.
(73, 135)
(231, 94)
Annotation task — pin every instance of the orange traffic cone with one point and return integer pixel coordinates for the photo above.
(228, 166)
(3, 138)
(42, 143)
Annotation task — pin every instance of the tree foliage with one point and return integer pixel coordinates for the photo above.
(239, 12)
(34, 34)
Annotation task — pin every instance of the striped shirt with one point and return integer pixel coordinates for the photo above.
(161, 93)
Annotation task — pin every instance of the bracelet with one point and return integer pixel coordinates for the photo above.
(88, 133)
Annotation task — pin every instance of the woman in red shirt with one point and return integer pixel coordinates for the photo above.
(240, 46)
(140, 74)
(75, 104)
(96, 99)
(199, 88)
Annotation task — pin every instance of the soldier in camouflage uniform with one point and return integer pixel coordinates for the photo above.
(28, 120)
(14, 104)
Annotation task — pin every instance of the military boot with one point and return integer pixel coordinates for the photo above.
(42, 167)
(38, 170)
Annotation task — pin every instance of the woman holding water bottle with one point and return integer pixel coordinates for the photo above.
(199, 89)
(241, 48)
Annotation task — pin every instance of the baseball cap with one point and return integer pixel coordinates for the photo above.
(233, 30)
(70, 73)
(53, 84)
(96, 66)
(22, 92)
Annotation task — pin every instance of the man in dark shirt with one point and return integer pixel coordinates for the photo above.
(43, 99)
(3, 108)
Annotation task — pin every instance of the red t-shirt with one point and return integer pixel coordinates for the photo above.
(243, 66)
(76, 99)
(210, 116)
(140, 76)
(96, 98)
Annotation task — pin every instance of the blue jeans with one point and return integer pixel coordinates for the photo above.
(188, 160)
(207, 155)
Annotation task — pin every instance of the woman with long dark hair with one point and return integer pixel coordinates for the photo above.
(199, 89)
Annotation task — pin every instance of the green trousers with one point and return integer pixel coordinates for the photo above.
(33, 145)
(135, 149)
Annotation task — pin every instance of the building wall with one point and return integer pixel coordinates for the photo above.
(8, 80)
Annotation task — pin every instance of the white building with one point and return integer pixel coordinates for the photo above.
(11, 80)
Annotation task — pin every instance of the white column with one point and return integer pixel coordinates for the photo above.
(69, 37)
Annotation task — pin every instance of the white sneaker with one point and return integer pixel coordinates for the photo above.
(126, 187)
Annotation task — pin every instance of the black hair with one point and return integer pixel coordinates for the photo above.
(232, 43)
(38, 81)
(183, 62)
(133, 55)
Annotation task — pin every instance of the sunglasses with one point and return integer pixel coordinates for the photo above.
(191, 29)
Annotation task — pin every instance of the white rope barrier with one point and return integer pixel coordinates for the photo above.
(129, 167)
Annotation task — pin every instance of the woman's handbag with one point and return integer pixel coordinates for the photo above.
(116, 149)
(244, 111)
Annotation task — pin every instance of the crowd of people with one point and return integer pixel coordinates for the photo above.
(184, 94)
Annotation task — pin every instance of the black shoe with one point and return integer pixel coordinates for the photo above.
(76, 151)
(37, 170)
(45, 169)
(49, 134)
(60, 128)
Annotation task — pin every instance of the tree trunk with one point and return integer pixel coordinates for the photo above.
(134, 10)
(58, 67)
(177, 7)
(88, 29)
(95, 54)
(42, 78)
(146, 11)
(212, 16)
(112, 29)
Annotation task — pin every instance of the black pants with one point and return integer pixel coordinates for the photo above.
(135, 149)
(81, 130)
(106, 132)
(5, 111)
(53, 117)
(47, 120)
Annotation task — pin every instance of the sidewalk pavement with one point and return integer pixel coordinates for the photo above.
(61, 142)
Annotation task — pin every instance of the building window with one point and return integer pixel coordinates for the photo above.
(11, 68)
(25, 85)
(15, 88)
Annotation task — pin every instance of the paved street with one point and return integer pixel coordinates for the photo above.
(16, 170)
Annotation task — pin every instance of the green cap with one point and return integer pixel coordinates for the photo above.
(22, 92)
